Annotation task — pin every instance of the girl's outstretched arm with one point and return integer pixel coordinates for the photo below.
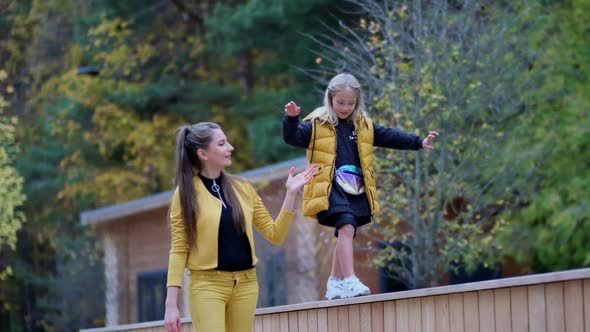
(427, 142)
(395, 139)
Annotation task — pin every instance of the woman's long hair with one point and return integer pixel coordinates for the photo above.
(189, 139)
(341, 82)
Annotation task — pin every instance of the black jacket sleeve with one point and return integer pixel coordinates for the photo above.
(395, 139)
(296, 133)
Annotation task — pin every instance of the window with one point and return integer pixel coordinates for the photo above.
(151, 295)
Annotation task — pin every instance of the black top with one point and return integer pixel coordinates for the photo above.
(299, 134)
(233, 251)
(346, 154)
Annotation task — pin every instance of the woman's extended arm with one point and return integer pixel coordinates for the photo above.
(275, 231)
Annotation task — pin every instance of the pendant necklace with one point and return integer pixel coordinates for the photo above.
(215, 187)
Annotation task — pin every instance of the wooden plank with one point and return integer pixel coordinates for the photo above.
(312, 320)
(354, 318)
(486, 311)
(332, 319)
(428, 313)
(471, 311)
(573, 293)
(502, 310)
(587, 305)
(343, 319)
(536, 303)
(456, 319)
(365, 316)
(267, 323)
(554, 307)
(258, 324)
(443, 290)
(293, 321)
(275, 322)
(284, 321)
(322, 320)
(402, 322)
(378, 319)
(415, 315)
(302, 321)
(519, 309)
(441, 309)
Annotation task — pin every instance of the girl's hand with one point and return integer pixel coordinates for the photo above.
(291, 109)
(296, 182)
(427, 142)
(172, 320)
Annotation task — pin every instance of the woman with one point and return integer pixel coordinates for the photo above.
(211, 219)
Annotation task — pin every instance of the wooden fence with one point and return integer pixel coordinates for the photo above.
(552, 302)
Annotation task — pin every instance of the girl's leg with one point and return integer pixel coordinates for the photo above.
(351, 285)
(343, 253)
(336, 269)
(342, 264)
(334, 284)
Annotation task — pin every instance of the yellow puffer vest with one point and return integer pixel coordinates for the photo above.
(322, 152)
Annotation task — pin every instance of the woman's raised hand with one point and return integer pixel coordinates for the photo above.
(291, 109)
(296, 182)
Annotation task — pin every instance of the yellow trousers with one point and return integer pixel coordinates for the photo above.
(223, 301)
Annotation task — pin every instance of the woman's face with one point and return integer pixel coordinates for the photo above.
(218, 153)
(344, 103)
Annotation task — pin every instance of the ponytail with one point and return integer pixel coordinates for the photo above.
(184, 182)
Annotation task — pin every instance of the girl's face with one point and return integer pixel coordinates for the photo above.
(344, 103)
(218, 153)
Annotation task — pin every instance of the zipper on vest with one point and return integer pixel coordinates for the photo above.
(371, 202)
(366, 171)
(333, 162)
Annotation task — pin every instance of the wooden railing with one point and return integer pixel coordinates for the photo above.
(552, 302)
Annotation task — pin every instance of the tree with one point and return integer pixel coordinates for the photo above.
(267, 38)
(552, 231)
(82, 136)
(455, 67)
(11, 195)
(11, 183)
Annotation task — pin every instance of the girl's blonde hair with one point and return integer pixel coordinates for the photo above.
(340, 82)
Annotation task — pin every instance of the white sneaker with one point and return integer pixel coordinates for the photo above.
(353, 287)
(334, 289)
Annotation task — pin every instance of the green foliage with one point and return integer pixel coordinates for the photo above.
(11, 182)
(552, 231)
(12, 197)
(93, 141)
(90, 141)
(455, 70)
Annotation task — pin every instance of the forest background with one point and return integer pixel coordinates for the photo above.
(92, 91)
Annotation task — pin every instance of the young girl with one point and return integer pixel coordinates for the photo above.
(339, 138)
(211, 218)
